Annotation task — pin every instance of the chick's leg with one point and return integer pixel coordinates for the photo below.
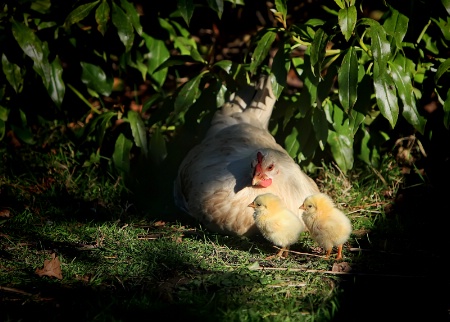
(339, 254)
(328, 253)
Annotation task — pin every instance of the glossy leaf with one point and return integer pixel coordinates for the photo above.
(318, 48)
(320, 125)
(404, 87)
(53, 81)
(261, 50)
(188, 94)
(121, 156)
(79, 13)
(102, 16)
(217, 6)
(447, 111)
(4, 112)
(347, 21)
(132, 15)
(157, 55)
(342, 150)
(12, 73)
(380, 47)
(2, 129)
(186, 8)
(138, 130)
(28, 41)
(386, 96)
(95, 78)
(446, 4)
(124, 26)
(348, 79)
(281, 65)
(442, 69)
(291, 143)
(225, 65)
(157, 146)
(396, 24)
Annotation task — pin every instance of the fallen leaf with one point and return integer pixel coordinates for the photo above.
(4, 213)
(341, 267)
(52, 268)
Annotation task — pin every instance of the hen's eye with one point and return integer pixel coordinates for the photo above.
(270, 167)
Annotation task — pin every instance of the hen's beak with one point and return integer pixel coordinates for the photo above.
(252, 205)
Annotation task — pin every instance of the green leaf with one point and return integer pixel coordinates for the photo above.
(340, 3)
(442, 69)
(318, 48)
(348, 80)
(381, 48)
(2, 129)
(54, 82)
(187, 46)
(347, 21)
(186, 8)
(291, 143)
(132, 15)
(217, 6)
(121, 155)
(102, 16)
(12, 73)
(188, 94)
(446, 4)
(95, 78)
(157, 55)
(225, 65)
(281, 65)
(157, 146)
(342, 149)
(320, 124)
(261, 50)
(447, 111)
(29, 42)
(386, 96)
(138, 130)
(79, 13)
(124, 26)
(404, 87)
(396, 25)
(4, 112)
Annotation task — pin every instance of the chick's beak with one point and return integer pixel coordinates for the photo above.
(252, 205)
(302, 207)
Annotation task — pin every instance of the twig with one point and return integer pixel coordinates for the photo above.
(14, 290)
(331, 272)
(294, 252)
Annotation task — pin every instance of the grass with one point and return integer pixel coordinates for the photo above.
(120, 263)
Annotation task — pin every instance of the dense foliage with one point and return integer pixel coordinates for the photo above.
(134, 83)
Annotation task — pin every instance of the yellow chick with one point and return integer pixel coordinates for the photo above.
(327, 225)
(277, 223)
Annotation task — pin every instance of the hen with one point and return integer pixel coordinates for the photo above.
(327, 225)
(237, 161)
(277, 224)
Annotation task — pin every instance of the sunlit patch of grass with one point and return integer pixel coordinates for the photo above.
(117, 263)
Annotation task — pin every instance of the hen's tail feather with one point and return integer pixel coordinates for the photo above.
(263, 102)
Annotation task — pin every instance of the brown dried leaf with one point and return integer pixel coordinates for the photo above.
(341, 267)
(52, 268)
(4, 213)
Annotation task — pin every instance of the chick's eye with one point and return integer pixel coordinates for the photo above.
(270, 167)
(309, 206)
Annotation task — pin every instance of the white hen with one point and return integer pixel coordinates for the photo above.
(238, 160)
